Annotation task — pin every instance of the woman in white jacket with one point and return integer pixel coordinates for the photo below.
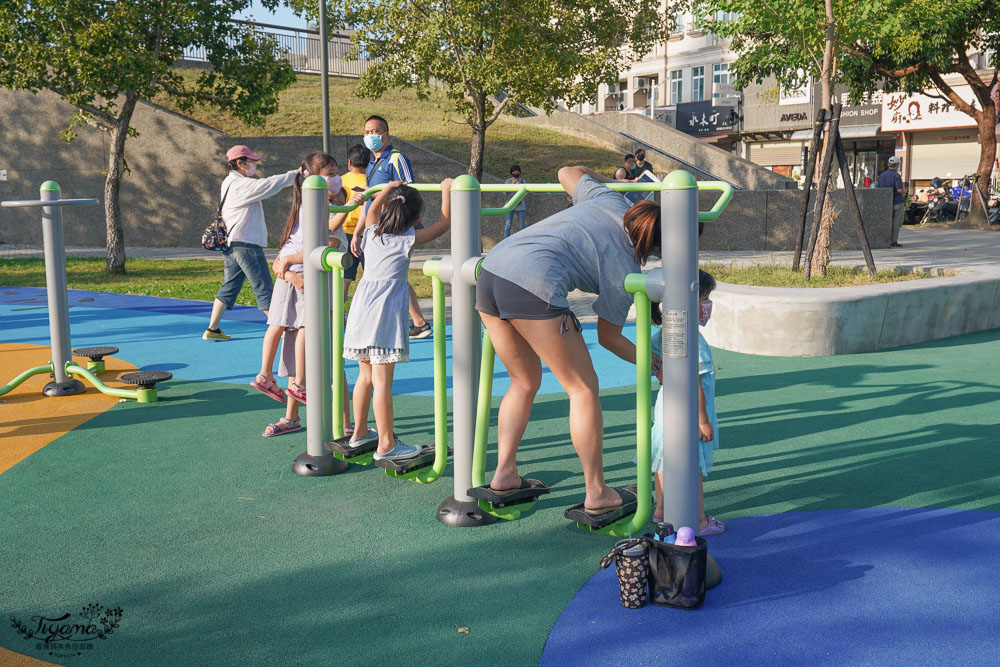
(246, 234)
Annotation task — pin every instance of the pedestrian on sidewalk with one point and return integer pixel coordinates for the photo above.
(890, 178)
(246, 234)
(520, 209)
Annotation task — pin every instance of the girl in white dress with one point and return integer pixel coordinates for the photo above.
(377, 334)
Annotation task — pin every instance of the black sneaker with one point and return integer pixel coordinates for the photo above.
(421, 331)
(894, 245)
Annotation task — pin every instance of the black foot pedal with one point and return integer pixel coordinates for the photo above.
(96, 356)
(404, 467)
(511, 503)
(361, 455)
(146, 379)
(595, 520)
(95, 353)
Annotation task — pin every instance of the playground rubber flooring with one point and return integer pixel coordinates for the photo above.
(861, 495)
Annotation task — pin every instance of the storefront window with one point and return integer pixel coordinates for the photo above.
(697, 84)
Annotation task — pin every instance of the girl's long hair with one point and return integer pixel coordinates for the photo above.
(314, 163)
(642, 224)
(401, 210)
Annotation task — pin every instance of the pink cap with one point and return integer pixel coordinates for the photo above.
(241, 151)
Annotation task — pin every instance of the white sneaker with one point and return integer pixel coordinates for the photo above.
(369, 437)
(399, 452)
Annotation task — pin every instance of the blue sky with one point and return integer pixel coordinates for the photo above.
(282, 16)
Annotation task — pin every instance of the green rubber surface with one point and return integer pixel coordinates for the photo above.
(182, 515)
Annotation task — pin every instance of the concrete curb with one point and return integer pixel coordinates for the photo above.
(804, 322)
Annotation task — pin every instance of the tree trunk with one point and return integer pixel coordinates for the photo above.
(987, 123)
(112, 210)
(478, 125)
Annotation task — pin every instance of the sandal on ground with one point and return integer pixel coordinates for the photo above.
(282, 427)
(268, 387)
(714, 527)
(297, 391)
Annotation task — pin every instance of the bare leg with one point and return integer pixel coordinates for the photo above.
(525, 372)
(291, 409)
(416, 314)
(218, 308)
(362, 399)
(382, 381)
(347, 287)
(269, 349)
(658, 512)
(568, 359)
(300, 357)
(347, 402)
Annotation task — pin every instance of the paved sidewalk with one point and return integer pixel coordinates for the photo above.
(928, 248)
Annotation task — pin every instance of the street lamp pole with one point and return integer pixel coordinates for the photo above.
(325, 74)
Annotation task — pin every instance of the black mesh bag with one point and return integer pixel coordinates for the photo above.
(677, 574)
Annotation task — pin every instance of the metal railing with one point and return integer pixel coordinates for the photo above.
(302, 49)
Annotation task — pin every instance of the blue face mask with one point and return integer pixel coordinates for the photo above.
(373, 141)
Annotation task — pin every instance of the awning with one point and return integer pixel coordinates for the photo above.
(849, 132)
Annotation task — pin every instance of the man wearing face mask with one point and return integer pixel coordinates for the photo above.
(520, 209)
(640, 165)
(246, 234)
(387, 164)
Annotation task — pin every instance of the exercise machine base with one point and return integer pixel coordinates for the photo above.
(317, 466)
(69, 388)
(463, 513)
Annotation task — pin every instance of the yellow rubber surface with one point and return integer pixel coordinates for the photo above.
(30, 420)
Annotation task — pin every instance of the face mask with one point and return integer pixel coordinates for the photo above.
(251, 168)
(704, 313)
(334, 183)
(517, 175)
(373, 141)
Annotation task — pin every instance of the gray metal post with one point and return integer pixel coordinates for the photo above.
(316, 462)
(325, 74)
(466, 332)
(58, 295)
(679, 241)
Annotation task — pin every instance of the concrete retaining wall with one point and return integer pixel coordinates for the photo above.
(176, 167)
(804, 322)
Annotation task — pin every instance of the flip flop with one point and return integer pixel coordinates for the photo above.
(269, 388)
(626, 496)
(529, 488)
(282, 427)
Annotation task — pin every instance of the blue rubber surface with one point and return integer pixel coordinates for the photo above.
(886, 586)
(157, 333)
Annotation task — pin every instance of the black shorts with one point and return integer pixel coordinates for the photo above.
(501, 298)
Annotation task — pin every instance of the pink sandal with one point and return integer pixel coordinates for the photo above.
(268, 388)
(282, 427)
(297, 391)
(714, 527)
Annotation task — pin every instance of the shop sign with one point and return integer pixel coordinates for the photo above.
(867, 112)
(922, 112)
(702, 118)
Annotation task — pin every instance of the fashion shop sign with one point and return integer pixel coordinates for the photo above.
(901, 112)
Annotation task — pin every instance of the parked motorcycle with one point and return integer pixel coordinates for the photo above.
(993, 210)
(942, 205)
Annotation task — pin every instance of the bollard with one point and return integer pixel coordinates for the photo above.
(315, 461)
(461, 509)
(678, 292)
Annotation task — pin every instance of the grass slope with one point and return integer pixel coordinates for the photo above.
(430, 123)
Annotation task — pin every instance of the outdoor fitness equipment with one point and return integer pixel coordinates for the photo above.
(676, 286)
(61, 365)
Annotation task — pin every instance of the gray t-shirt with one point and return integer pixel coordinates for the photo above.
(584, 247)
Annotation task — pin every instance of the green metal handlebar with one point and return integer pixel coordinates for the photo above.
(520, 190)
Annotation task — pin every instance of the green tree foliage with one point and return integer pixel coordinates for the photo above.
(889, 45)
(103, 56)
(491, 57)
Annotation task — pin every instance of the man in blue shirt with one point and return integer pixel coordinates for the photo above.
(890, 179)
(388, 164)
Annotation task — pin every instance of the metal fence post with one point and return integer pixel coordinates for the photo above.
(679, 241)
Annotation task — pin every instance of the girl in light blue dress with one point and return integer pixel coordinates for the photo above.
(377, 334)
(708, 423)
